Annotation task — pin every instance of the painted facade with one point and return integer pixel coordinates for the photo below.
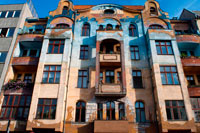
(104, 68)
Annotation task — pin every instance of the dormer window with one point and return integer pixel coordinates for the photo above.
(65, 10)
(109, 11)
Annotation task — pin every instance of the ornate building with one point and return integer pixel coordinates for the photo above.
(103, 69)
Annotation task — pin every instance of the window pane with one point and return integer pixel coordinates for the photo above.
(45, 77)
(3, 56)
(26, 113)
(169, 116)
(175, 111)
(55, 49)
(11, 32)
(10, 14)
(183, 114)
(17, 13)
(3, 112)
(53, 112)
(52, 68)
(28, 100)
(84, 82)
(5, 100)
(169, 48)
(58, 68)
(16, 100)
(176, 79)
(46, 112)
(61, 48)
(57, 77)
(79, 82)
(169, 78)
(3, 14)
(50, 48)
(143, 119)
(41, 101)
(19, 112)
(138, 115)
(10, 100)
(39, 112)
(8, 112)
(158, 50)
(14, 111)
(51, 77)
(22, 100)
(54, 101)
(164, 81)
(77, 115)
(47, 102)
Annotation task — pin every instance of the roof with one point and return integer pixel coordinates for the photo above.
(90, 6)
(196, 12)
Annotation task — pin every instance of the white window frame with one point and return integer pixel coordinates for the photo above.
(6, 16)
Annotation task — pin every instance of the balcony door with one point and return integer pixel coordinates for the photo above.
(110, 108)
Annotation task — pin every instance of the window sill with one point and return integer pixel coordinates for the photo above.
(81, 88)
(44, 119)
(135, 59)
(79, 123)
(176, 120)
(166, 54)
(142, 88)
(49, 83)
(171, 84)
(55, 53)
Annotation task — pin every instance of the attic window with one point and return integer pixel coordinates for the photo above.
(153, 11)
(65, 10)
(109, 11)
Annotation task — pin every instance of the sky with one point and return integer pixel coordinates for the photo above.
(173, 7)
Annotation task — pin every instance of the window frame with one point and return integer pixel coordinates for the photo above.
(171, 73)
(132, 30)
(171, 107)
(121, 110)
(79, 118)
(165, 46)
(111, 111)
(84, 51)
(61, 43)
(136, 76)
(85, 30)
(140, 112)
(16, 106)
(99, 111)
(46, 105)
(135, 50)
(81, 77)
(49, 71)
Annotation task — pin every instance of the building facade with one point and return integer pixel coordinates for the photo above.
(103, 69)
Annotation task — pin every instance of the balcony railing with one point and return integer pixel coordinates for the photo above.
(25, 61)
(190, 61)
(194, 91)
(110, 57)
(194, 38)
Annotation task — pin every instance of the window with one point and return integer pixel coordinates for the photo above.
(169, 75)
(100, 27)
(118, 27)
(119, 78)
(110, 77)
(175, 110)
(46, 109)
(101, 77)
(56, 46)
(3, 56)
(110, 107)
(109, 27)
(137, 79)
(86, 30)
(164, 48)
(17, 14)
(10, 14)
(140, 112)
(19, 77)
(156, 26)
(28, 78)
(65, 10)
(11, 32)
(15, 107)
(132, 30)
(62, 26)
(134, 53)
(100, 111)
(84, 52)
(3, 14)
(190, 80)
(33, 53)
(196, 107)
(109, 11)
(3, 32)
(80, 111)
(121, 111)
(82, 79)
(51, 74)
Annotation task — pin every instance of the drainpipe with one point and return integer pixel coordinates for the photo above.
(67, 86)
(151, 78)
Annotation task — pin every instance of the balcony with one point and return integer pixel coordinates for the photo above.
(31, 37)
(192, 38)
(194, 91)
(101, 126)
(25, 61)
(110, 90)
(191, 61)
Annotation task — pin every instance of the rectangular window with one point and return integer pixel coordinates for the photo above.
(83, 79)
(15, 107)
(196, 107)
(10, 14)
(17, 14)
(28, 78)
(169, 75)
(3, 56)
(3, 32)
(46, 109)
(137, 79)
(100, 111)
(56, 46)
(101, 77)
(175, 110)
(11, 32)
(119, 77)
(164, 48)
(134, 53)
(84, 52)
(110, 77)
(190, 79)
(51, 74)
(3, 14)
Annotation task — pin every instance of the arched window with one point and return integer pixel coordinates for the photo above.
(156, 26)
(109, 27)
(65, 10)
(118, 27)
(121, 111)
(80, 111)
(132, 30)
(86, 29)
(140, 112)
(110, 107)
(62, 26)
(109, 11)
(152, 9)
(100, 27)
